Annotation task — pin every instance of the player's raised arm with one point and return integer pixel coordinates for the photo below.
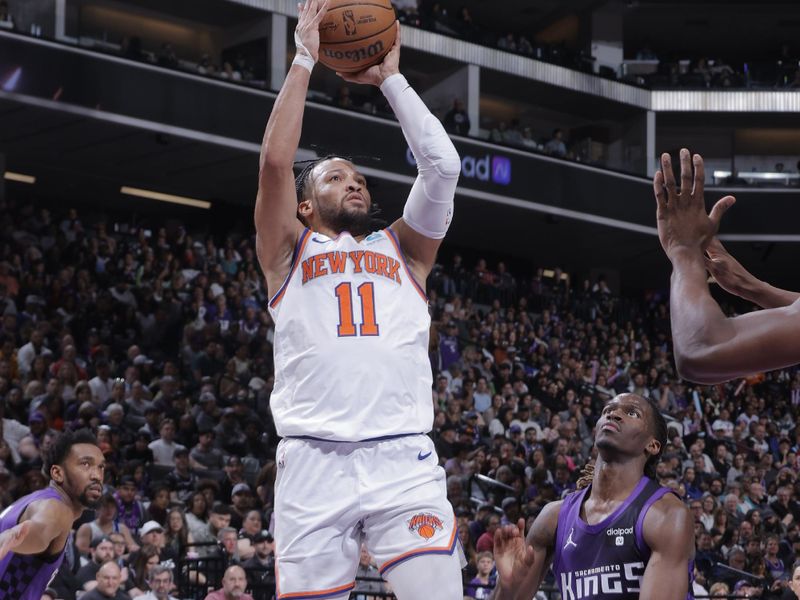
(669, 532)
(429, 208)
(522, 563)
(275, 216)
(708, 346)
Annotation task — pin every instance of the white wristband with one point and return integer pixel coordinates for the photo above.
(304, 61)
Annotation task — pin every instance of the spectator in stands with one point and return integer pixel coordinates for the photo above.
(218, 519)
(368, 578)
(159, 580)
(5, 15)
(229, 543)
(507, 42)
(197, 513)
(13, 432)
(182, 479)
(35, 347)
(139, 566)
(457, 119)
(159, 503)
(120, 552)
(130, 511)
(234, 582)
(243, 501)
(555, 145)
(152, 534)
(204, 455)
(261, 565)
(234, 474)
(101, 551)
(528, 141)
(229, 72)
(252, 525)
(483, 583)
(164, 447)
(139, 451)
(109, 578)
(104, 524)
(754, 497)
(178, 538)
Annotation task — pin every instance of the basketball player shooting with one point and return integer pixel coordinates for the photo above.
(620, 538)
(35, 528)
(352, 396)
(710, 347)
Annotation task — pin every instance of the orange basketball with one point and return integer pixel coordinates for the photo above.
(356, 34)
(427, 531)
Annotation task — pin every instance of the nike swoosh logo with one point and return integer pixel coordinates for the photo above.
(422, 456)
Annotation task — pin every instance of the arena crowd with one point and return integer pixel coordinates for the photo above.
(159, 341)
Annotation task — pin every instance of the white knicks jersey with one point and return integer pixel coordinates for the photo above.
(351, 342)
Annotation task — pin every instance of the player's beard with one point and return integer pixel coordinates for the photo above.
(84, 500)
(356, 222)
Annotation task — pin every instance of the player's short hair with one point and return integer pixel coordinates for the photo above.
(60, 449)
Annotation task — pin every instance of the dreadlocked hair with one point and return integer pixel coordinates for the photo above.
(660, 433)
(586, 476)
(304, 177)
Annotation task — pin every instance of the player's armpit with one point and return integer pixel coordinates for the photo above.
(669, 532)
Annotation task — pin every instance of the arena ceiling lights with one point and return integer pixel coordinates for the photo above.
(162, 197)
(19, 177)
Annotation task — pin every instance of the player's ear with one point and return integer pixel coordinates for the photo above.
(304, 209)
(57, 474)
(654, 447)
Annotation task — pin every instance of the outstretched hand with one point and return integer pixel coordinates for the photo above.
(13, 538)
(306, 34)
(375, 74)
(681, 214)
(512, 554)
(728, 272)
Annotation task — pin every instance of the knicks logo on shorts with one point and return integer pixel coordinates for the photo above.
(425, 524)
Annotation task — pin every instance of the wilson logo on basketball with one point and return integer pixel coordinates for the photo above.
(425, 525)
(356, 55)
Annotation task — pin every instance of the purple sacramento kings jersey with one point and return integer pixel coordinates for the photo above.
(25, 577)
(605, 561)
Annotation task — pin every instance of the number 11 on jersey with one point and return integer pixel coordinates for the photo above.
(347, 327)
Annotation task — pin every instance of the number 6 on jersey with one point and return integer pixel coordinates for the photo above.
(366, 292)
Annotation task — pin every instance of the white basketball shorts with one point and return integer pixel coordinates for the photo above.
(329, 496)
